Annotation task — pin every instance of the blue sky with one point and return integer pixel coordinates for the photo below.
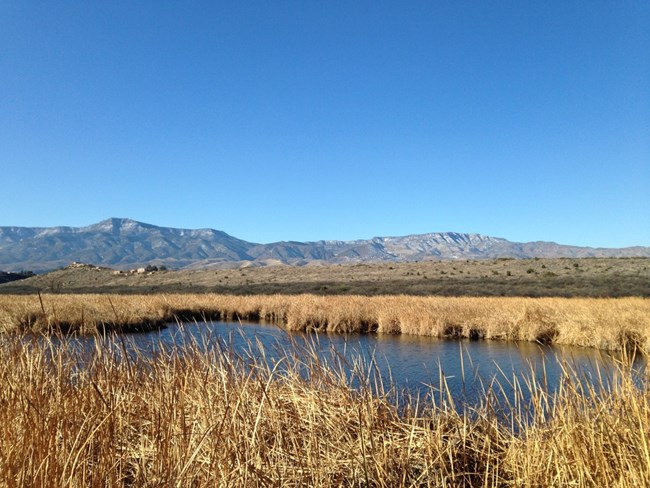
(330, 120)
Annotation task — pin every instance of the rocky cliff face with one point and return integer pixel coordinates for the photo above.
(125, 243)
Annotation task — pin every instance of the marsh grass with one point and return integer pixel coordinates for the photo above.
(603, 323)
(194, 416)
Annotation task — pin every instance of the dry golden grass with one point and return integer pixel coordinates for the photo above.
(203, 419)
(603, 323)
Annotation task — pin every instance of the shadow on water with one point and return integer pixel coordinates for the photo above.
(455, 373)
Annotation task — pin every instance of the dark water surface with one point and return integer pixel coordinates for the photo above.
(417, 365)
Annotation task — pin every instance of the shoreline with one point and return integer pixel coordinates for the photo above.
(601, 323)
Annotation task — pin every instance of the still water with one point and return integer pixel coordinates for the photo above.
(403, 363)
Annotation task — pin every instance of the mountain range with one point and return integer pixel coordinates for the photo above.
(125, 244)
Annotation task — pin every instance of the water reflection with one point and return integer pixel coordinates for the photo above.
(424, 367)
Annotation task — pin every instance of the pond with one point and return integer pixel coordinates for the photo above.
(424, 367)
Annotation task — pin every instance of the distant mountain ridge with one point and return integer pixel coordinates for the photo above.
(125, 243)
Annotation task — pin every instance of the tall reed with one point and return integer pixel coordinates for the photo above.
(604, 323)
(194, 417)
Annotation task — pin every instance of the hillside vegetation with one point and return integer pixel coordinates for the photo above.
(602, 277)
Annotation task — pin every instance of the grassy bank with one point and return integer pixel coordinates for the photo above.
(609, 324)
(203, 419)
